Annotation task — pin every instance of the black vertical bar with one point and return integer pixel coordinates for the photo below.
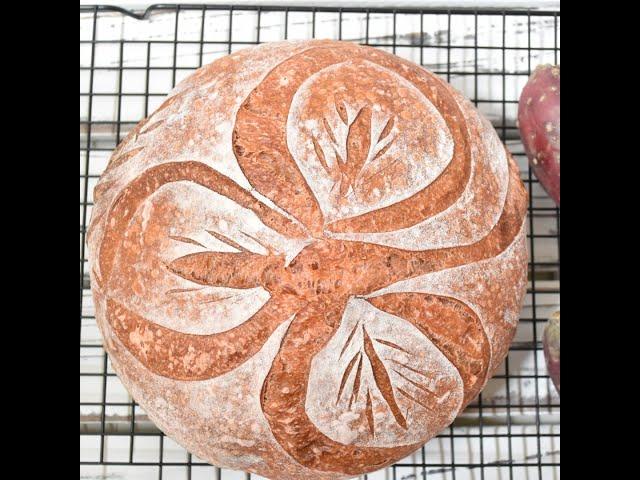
(475, 59)
(258, 26)
(449, 46)
(147, 80)
(313, 23)
(132, 429)
(175, 48)
(201, 53)
(481, 435)
(421, 38)
(453, 452)
(161, 453)
(366, 28)
(230, 29)
(104, 406)
(395, 40)
(286, 23)
(119, 110)
(85, 189)
(340, 24)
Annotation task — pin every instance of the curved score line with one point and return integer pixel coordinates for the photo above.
(260, 137)
(284, 393)
(451, 326)
(270, 169)
(128, 200)
(402, 264)
(447, 187)
(186, 356)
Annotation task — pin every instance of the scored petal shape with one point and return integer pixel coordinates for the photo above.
(183, 221)
(357, 166)
(452, 327)
(404, 381)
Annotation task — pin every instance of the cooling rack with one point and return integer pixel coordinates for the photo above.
(130, 60)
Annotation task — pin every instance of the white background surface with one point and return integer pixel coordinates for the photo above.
(539, 4)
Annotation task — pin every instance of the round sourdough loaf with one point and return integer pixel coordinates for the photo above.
(308, 259)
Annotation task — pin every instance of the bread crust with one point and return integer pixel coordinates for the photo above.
(309, 259)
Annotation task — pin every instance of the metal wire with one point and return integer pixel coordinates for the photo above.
(105, 420)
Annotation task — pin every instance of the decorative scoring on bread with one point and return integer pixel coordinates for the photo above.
(387, 170)
(308, 259)
(417, 366)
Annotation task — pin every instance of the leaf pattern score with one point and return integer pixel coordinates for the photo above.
(383, 382)
(362, 152)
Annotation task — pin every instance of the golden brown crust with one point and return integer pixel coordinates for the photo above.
(311, 277)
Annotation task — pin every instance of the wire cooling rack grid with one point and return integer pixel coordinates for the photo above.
(129, 62)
